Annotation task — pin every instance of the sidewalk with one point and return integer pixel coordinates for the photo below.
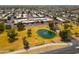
(42, 48)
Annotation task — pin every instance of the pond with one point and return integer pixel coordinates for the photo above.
(46, 33)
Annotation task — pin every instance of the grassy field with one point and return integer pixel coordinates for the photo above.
(34, 40)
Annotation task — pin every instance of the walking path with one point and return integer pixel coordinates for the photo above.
(43, 48)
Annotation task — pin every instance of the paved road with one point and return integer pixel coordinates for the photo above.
(69, 50)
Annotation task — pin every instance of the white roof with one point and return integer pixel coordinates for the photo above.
(60, 19)
(28, 21)
(24, 15)
(19, 20)
(42, 19)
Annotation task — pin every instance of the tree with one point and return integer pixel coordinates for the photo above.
(9, 18)
(77, 20)
(66, 26)
(50, 25)
(42, 22)
(2, 27)
(14, 17)
(55, 18)
(26, 44)
(53, 26)
(3, 12)
(20, 26)
(29, 33)
(65, 36)
(8, 26)
(12, 35)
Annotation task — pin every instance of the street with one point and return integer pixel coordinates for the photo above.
(68, 50)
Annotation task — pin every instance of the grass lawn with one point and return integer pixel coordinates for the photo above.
(34, 40)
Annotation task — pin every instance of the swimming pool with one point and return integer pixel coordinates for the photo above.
(46, 33)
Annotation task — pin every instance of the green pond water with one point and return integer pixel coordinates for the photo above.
(46, 33)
